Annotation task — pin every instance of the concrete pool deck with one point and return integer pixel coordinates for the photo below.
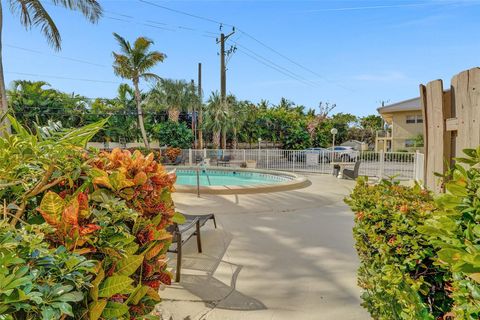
(283, 255)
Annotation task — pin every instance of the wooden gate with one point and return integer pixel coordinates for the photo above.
(451, 122)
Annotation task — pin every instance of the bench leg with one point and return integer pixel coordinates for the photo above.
(179, 257)
(199, 239)
(214, 221)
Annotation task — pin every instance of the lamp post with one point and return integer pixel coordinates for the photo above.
(334, 131)
(259, 144)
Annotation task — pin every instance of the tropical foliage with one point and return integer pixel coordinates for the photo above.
(90, 227)
(173, 134)
(397, 273)
(134, 62)
(225, 125)
(420, 256)
(33, 13)
(454, 231)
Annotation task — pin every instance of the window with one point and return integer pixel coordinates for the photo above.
(414, 119)
(411, 119)
(409, 143)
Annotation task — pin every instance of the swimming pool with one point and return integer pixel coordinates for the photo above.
(227, 178)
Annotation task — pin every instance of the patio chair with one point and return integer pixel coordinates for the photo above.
(352, 174)
(224, 161)
(178, 161)
(181, 233)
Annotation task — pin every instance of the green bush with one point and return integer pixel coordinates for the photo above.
(397, 274)
(173, 134)
(454, 230)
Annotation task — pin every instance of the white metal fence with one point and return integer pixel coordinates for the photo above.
(400, 165)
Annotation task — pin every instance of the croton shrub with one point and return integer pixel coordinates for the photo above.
(83, 234)
(419, 255)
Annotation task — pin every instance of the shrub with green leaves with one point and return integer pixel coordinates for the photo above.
(38, 282)
(454, 230)
(173, 134)
(397, 274)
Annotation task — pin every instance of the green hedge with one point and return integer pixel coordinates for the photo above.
(454, 230)
(396, 272)
(420, 256)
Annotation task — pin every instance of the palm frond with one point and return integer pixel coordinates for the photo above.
(32, 13)
(80, 136)
(90, 9)
(124, 44)
(142, 44)
(150, 76)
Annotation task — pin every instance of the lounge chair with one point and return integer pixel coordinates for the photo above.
(224, 161)
(183, 232)
(352, 174)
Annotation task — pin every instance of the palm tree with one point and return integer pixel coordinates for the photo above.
(216, 116)
(32, 13)
(133, 63)
(238, 114)
(174, 96)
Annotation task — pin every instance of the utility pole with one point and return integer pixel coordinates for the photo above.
(200, 108)
(223, 74)
(194, 115)
(223, 69)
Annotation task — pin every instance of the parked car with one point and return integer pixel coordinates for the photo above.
(326, 155)
(344, 153)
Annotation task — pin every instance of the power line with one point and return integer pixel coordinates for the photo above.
(55, 55)
(63, 78)
(291, 74)
(185, 13)
(291, 60)
(247, 35)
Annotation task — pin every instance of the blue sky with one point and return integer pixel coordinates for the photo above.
(352, 53)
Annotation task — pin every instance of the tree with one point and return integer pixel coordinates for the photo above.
(134, 63)
(237, 118)
(35, 103)
(122, 123)
(32, 13)
(174, 96)
(216, 116)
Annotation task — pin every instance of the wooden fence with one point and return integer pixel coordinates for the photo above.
(451, 122)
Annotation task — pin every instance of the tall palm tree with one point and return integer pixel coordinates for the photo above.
(32, 13)
(134, 62)
(216, 116)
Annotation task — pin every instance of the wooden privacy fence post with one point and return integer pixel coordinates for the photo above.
(436, 108)
(451, 122)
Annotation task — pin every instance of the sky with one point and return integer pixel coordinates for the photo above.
(351, 53)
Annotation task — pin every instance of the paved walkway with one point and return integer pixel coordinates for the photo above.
(285, 255)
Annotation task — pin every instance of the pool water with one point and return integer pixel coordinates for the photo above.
(225, 178)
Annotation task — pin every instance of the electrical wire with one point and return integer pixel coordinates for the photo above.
(290, 73)
(61, 77)
(249, 36)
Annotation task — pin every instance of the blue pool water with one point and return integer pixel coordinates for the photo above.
(225, 178)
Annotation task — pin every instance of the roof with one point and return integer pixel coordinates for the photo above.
(406, 105)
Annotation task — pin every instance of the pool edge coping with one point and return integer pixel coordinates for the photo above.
(297, 182)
